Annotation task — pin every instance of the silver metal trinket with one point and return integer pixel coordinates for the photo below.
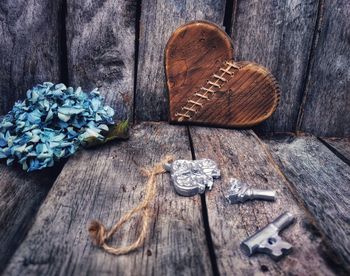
(240, 192)
(192, 177)
(267, 239)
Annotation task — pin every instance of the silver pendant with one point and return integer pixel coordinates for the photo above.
(192, 177)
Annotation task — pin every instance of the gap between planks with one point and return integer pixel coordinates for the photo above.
(310, 61)
(339, 146)
(206, 224)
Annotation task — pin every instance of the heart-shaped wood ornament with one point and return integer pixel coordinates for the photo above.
(205, 84)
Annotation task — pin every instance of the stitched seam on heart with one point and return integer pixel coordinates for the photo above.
(195, 102)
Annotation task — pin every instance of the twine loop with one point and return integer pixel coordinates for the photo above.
(98, 232)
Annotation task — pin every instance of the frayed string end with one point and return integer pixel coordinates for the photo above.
(97, 232)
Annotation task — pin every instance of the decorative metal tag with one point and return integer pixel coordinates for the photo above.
(192, 177)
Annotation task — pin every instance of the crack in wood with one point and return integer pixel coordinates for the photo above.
(206, 225)
(62, 43)
(136, 61)
(306, 81)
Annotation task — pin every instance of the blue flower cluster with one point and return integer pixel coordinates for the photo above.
(52, 123)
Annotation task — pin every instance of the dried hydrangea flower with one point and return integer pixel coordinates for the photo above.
(52, 123)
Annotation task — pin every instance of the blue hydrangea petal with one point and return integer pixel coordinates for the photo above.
(49, 116)
(90, 133)
(33, 165)
(60, 86)
(63, 117)
(6, 124)
(59, 153)
(29, 127)
(2, 153)
(3, 141)
(25, 166)
(58, 137)
(10, 161)
(20, 149)
(103, 127)
(95, 104)
(70, 110)
(34, 117)
(109, 111)
(45, 155)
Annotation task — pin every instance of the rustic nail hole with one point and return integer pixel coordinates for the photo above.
(149, 252)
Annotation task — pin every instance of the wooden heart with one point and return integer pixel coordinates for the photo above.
(206, 86)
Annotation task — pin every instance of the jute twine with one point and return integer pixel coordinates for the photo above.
(100, 234)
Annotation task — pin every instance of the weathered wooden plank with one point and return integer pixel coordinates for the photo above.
(242, 155)
(277, 34)
(341, 145)
(322, 182)
(101, 46)
(106, 184)
(158, 21)
(326, 108)
(29, 47)
(21, 194)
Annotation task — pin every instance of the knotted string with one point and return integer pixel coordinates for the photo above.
(100, 234)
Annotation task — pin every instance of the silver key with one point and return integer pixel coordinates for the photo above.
(240, 193)
(267, 239)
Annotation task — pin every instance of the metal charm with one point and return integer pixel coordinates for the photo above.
(267, 239)
(240, 192)
(192, 177)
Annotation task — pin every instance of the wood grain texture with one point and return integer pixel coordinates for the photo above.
(340, 145)
(20, 197)
(240, 154)
(158, 21)
(29, 47)
(107, 183)
(326, 107)
(321, 181)
(101, 46)
(278, 35)
(207, 87)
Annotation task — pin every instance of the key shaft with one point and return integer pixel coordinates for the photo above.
(262, 194)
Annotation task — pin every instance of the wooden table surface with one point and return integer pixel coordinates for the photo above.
(118, 46)
(44, 216)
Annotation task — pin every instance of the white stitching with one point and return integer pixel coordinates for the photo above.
(230, 65)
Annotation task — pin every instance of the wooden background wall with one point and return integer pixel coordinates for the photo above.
(304, 42)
